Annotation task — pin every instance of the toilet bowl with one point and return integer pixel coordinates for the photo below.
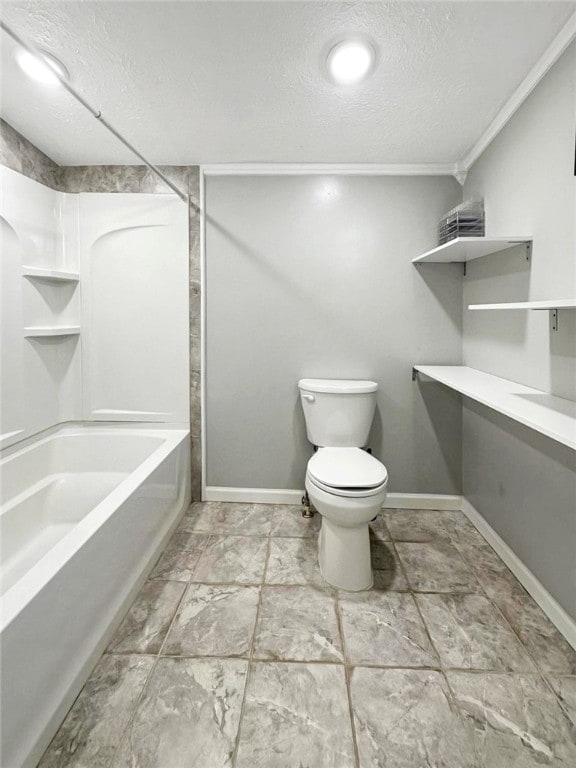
(348, 487)
(345, 484)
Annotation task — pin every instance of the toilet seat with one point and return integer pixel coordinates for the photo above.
(353, 493)
(349, 472)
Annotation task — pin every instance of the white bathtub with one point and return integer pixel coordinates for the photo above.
(85, 510)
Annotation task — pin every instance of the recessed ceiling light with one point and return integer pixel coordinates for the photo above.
(45, 68)
(351, 61)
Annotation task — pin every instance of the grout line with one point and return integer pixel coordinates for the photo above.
(484, 593)
(563, 706)
(351, 666)
(452, 700)
(540, 672)
(134, 711)
(348, 666)
(347, 676)
(415, 601)
(250, 658)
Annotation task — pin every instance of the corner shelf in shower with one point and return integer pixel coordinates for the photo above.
(552, 416)
(463, 249)
(53, 330)
(54, 275)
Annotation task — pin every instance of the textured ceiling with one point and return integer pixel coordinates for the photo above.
(212, 82)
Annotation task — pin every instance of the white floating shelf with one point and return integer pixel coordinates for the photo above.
(550, 304)
(552, 416)
(54, 330)
(469, 248)
(56, 275)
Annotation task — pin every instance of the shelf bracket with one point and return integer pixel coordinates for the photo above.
(464, 268)
(414, 374)
(528, 250)
(554, 319)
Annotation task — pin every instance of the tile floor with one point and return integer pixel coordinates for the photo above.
(236, 653)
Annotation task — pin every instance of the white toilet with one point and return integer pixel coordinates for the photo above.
(346, 484)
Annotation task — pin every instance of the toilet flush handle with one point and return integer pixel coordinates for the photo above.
(309, 398)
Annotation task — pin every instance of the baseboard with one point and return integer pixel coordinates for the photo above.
(294, 496)
(422, 501)
(557, 615)
(253, 495)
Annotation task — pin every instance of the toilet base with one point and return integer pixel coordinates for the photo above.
(344, 556)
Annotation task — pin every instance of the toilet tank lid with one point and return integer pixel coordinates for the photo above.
(338, 386)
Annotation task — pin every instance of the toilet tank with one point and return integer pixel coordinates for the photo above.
(338, 412)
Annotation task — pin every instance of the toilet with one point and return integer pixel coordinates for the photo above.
(344, 483)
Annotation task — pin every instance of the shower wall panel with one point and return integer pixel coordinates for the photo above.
(40, 377)
(134, 263)
(94, 308)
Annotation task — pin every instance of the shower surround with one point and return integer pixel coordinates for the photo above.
(17, 153)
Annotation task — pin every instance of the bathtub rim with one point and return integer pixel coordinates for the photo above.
(20, 594)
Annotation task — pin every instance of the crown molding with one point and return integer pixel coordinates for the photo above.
(346, 169)
(458, 170)
(560, 43)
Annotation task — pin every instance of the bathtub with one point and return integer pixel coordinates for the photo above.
(85, 511)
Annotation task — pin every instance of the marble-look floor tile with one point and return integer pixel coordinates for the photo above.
(391, 580)
(551, 651)
(404, 719)
(385, 630)
(416, 525)
(145, 625)
(214, 621)
(565, 690)
(294, 561)
(179, 559)
(436, 567)
(461, 531)
(92, 730)
(382, 553)
(226, 518)
(496, 578)
(469, 633)
(232, 559)
(287, 520)
(188, 716)
(379, 528)
(516, 721)
(296, 716)
(297, 623)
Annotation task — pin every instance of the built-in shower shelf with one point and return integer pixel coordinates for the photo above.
(552, 416)
(55, 275)
(52, 330)
(469, 248)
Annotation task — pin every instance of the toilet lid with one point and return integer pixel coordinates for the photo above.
(346, 468)
(356, 493)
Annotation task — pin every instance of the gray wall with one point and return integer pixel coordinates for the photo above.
(311, 276)
(525, 484)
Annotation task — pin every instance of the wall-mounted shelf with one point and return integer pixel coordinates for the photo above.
(552, 305)
(55, 275)
(53, 330)
(552, 416)
(469, 248)
(538, 305)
